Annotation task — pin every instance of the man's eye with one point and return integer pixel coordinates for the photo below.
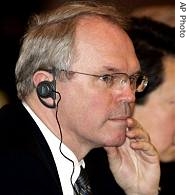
(106, 78)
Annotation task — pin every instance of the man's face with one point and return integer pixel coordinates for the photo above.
(91, 113)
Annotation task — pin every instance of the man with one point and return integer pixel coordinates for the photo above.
(154, 44)
(74, 61)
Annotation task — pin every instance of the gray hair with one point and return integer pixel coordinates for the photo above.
(49, 40)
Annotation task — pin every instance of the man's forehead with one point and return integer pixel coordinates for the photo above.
(108, 43)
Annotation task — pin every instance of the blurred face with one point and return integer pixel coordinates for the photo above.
(158, 114)
(91, 113)
(160, 13)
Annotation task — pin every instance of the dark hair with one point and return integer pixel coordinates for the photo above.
(152, 41)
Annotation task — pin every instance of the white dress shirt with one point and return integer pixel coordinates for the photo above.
(64, 166)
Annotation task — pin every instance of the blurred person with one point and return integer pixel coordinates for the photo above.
(3, 98)
(76, 75)
(160, 13)
(155, 48)
(154, 44)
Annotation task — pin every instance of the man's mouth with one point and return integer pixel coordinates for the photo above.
(120, 118)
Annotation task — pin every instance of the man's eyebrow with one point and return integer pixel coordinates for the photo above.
(112, 69)
(137, 72)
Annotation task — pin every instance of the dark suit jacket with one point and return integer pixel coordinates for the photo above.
(27, 166)
(100, 175)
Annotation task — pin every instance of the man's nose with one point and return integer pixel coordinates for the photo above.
(127, 94)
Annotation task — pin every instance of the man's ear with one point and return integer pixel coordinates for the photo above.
(45, 84)
(40, 76)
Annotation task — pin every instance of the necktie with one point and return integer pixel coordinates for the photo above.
(82, 186)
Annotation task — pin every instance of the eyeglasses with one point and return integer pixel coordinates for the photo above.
(138, 81)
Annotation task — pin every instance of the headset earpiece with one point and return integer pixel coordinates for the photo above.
(46, 89)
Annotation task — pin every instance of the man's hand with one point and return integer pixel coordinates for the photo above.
(135, 165)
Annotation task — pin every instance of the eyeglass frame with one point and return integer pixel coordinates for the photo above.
(112, 76)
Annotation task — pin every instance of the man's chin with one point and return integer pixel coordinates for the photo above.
(117, 142)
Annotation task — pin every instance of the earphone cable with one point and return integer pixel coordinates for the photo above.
(61, 140)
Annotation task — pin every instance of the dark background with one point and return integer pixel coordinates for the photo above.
(13, 21)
